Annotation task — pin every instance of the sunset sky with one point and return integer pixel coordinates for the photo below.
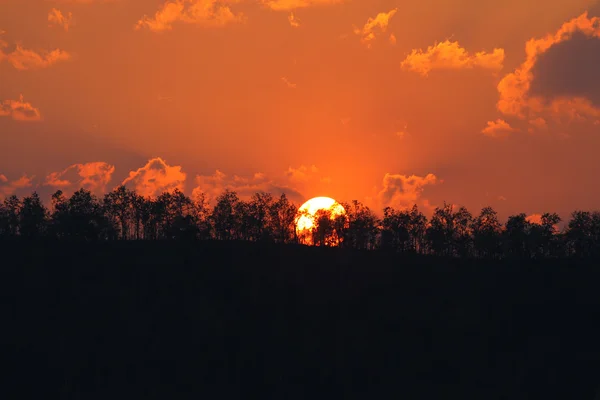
(389, 102)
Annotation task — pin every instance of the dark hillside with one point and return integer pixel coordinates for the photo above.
(156, 320)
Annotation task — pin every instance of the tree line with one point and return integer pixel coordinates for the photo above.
(452, 231)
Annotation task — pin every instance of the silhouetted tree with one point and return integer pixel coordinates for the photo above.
(79, 217)
(146, 217)
(33, 217)
(3, 221)
(583, 234)
(282, 215)
(261, 224)
(244, 224)
(119, 208)
(182, 217)
(323, 231)
(123, 214)
(550, 238)
(174, 216)
(404, 230)
(440, 233)
(362, 228)
(224, 220)
(462, 242)
(487, 232)
(396, 230)
(201, 215)
(516, 236)
(9, 217)
(449, 231)
(418, 230)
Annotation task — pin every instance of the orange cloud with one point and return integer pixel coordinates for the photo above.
(294, 21)
(497, 128)
(403, 132)
(450, 55)
(93, 176)
(213, 185)
(288, 83)
(85, 1)
(515, 88)
(382, 21)
(201, 12)
(393, 39)
(25, 59)
(155, 178)
(534, 219)
(402, 191)
(538, 123)
(286, 5)
(292, 182)
(19, 110)
(56, 18)
(301, 174)
(8, 188)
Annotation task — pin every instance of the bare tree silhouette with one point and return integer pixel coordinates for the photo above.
(32, 217)
(487, 231)
(362, 230)
(9, 214)
(452, 231)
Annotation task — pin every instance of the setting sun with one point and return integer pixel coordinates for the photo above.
(305, 220)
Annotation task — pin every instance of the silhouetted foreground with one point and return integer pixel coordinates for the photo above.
(231, 319)
(451, 232)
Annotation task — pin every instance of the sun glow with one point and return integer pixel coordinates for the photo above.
(307, 213)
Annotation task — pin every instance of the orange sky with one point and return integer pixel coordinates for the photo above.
(388, 102)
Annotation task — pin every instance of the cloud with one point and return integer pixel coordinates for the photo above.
(450, 55)
(538, 123)
(559, 74)
(200, 12)
(402, 191)
(25, 59)
(393, 39)
(56, 18)
(402, 132)
(92, 176)
(8, 188)
(213, 185)
(288, 83)
(381, 21)
(84, 1)
(287, 5)
(497, 128)
(294, 21)
(155, 178)
(536, 219)
(292, 182)
(301, 174)
(165, 98)
(19, 110)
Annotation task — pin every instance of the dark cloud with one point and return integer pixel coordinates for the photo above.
(292, 194)
(569, 69)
